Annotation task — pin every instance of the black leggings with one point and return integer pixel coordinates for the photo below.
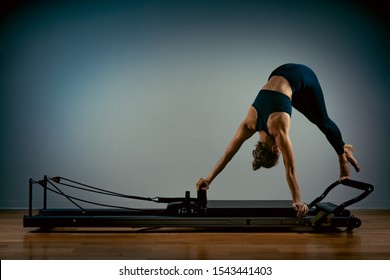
(310, 102)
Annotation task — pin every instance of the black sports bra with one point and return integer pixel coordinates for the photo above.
(268, 102)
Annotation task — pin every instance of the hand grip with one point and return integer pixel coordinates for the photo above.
(202, 199)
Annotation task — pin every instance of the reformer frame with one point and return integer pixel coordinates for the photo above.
(190, 212)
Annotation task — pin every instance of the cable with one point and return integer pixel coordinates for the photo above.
(99, 190)
(71, 198)
(63, 194)
(54, 181)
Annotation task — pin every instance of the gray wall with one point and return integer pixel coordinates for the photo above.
(142, 97)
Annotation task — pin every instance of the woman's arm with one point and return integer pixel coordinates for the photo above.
(242, 134)
(282, 140)
(284, 144)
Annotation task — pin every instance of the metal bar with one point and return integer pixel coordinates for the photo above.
(367, 188)
(173, 221)
(45, 192)
(324, 194)
(30, 198)
(358, 185)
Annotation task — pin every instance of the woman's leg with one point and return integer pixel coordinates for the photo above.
(310, 102)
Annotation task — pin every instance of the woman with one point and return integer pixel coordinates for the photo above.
(290, 85)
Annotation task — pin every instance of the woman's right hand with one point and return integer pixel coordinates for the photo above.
(202, 184)
(301, 208)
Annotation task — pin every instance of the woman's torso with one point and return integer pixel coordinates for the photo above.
(287, 79)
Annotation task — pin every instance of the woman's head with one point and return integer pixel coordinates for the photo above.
(264, 156)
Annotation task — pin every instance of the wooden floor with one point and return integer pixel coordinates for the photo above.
(370, 241)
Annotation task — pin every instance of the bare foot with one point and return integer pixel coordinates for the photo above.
(344, 159)
(348, 151)
(344, 167)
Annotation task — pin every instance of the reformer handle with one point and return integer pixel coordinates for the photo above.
(365, 187)
(202, 200)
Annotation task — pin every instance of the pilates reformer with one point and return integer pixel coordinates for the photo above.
(188, 211)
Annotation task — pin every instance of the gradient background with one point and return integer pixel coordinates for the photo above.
(142, 97)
